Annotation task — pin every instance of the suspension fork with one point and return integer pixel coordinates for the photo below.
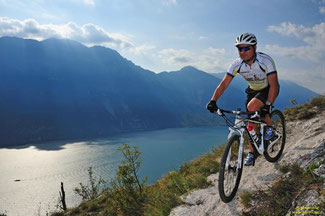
(240, 150)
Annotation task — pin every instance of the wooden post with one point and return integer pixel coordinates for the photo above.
(62, 197)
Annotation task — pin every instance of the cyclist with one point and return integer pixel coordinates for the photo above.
(259, 70)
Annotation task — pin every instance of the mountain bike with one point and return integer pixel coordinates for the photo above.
(231, 165)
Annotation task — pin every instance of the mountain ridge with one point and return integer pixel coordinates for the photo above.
(60, 89)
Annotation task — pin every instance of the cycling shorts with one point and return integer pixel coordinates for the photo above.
(262, 95)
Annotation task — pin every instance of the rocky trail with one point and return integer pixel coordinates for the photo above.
(305, 145)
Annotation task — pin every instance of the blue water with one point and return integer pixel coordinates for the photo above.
(41, 168)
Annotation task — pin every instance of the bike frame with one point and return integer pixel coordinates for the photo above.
(239, 127)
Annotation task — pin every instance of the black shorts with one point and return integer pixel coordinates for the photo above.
(262, 95)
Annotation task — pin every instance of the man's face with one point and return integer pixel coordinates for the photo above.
(246, 52)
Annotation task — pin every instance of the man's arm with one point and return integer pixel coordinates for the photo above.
(274, 87)
(222, 87)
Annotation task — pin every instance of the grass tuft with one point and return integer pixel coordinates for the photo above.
(246, 197)
(305, 111)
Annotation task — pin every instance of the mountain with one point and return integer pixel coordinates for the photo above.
(60, 89)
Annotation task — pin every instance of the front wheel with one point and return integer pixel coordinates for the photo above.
(230, 172)
(274, 147)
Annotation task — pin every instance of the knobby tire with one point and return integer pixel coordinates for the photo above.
(279, 122)
(233, 144)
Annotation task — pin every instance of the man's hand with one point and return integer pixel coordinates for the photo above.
(266, 109)
(212, 106)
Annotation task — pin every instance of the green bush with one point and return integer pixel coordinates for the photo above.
(127, 193)
(91, 191)
(93, 207)
(59, 213)
(246, 197)
(75, 211)
(318, 102)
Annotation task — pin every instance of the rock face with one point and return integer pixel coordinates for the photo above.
(305, 144)
(306, 204)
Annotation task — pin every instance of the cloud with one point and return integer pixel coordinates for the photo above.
(322, 10)
(307, 53)
(313, 37)
(88, 34)
(209, 60)
(203, 38)
(85, 2)
(169, 2)
(89, 2)
(176, 57)
(303, 64)
(141, 50)
(215, 51)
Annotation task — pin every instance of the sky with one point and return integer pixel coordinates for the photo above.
(167, 35)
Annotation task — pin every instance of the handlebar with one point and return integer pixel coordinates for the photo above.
(238, 112)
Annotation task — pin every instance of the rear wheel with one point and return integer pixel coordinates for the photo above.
(229, 172)
(274, 147)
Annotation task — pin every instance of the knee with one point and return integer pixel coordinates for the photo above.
(254, 105)
(251, 107)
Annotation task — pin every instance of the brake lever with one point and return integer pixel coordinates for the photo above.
(219, 112)
(256, 115)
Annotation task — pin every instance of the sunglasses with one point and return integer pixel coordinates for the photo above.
(243, 48)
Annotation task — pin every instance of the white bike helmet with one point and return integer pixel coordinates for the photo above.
(246, 39)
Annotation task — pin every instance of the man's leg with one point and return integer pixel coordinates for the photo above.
(255, 101)
(267, 119)
(254, 105)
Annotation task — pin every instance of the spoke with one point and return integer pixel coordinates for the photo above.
(230, 176)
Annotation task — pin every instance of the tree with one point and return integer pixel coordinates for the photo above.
(89, 192)
(127, 192)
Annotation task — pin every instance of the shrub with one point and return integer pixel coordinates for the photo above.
(93, 207)
(318, 102)
(246, 198)
(91, 191)
(59, 213)
(127, 193)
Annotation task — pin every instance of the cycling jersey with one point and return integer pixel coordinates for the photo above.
(256, 74)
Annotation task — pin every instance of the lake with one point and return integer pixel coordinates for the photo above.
(31, 175)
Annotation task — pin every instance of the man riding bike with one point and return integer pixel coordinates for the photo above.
(259, 70)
